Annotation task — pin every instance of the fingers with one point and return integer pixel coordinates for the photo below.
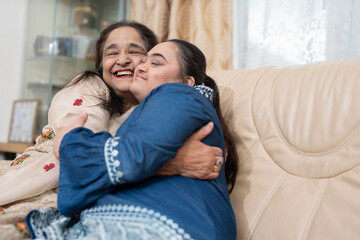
(217, 151)
(219, 161)
(205, 170)
(195, 159)
(205, 174)
(202, 132)
(217, 165)
(80, 122)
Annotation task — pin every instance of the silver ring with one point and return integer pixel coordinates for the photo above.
(218, 161)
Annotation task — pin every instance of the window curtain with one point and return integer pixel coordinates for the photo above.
(205, 23)
(282, 32)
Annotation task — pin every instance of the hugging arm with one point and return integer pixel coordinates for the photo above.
(92, 164)
(194, 159)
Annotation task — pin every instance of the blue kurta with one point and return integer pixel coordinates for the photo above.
(113, 177)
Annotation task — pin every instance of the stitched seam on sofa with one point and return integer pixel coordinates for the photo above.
(265, 204)
(322, 154)
(314, 210)
(286, 143)
(252, 99)
(308, 168)
(243, 157)
(283, 139)
(327, 153)
(251, 105)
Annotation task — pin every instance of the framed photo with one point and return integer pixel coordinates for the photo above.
(23, 121)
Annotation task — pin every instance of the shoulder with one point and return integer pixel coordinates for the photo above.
(173, 99)
(177, 110)
(172, 88)
(175, 90)
(178, 93)
(88, 83)
(89, 88)
(84, 85)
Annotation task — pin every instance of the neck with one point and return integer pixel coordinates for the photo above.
(129, 101)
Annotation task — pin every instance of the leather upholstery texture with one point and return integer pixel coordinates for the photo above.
(297, 133)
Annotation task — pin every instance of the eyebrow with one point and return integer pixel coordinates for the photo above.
(137, 46)
(111, 46)
(159, 55)
(114, 45)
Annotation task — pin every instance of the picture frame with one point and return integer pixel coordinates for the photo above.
(23, 121)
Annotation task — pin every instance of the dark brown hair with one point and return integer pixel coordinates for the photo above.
(192, 62)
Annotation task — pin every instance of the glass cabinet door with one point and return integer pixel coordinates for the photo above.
(60, 43)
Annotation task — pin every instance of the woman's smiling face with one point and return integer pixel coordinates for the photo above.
(158, 67)
(122, 52)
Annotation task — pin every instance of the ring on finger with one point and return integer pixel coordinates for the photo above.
(218, 161)
(216, 168)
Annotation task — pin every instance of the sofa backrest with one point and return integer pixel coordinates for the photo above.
(297, 133)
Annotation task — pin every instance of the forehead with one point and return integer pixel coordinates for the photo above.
(167, 49)
(124, 37)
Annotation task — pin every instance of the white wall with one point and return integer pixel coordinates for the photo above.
(12, 32)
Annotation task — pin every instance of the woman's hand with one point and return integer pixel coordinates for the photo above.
(195, 159)
(60, 133)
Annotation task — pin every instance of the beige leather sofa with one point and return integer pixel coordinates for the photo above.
(297, 131)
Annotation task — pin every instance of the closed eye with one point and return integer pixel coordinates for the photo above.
(110, 53)
(136, 52)
(155, 63)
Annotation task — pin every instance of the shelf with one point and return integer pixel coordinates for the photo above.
(43, 85)
(63, 69)
(59, 58)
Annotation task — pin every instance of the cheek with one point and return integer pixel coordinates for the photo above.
(158, 80)
(136, 60)
(107, 80)
(106, 65)
(136, 88)
(106, 73)
(106, 76)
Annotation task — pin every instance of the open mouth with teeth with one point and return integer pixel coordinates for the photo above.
(126, 73)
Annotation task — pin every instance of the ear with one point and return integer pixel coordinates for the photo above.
(189, 80)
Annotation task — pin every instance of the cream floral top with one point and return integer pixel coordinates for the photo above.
(37, 170)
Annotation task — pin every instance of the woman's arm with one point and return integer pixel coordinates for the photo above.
(91, 164)
(194, 159)
(83, 96)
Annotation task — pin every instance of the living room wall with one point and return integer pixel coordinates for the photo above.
(12, 27)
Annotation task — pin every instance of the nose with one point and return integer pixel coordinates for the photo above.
(141, 68)
(123, 59)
